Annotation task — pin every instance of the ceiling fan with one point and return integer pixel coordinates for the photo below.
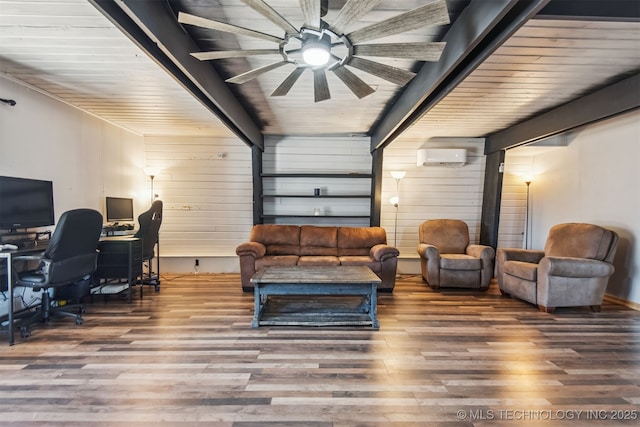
(321, 46)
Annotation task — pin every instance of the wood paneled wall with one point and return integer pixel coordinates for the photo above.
(205, 184)
(431, 192)
(208, 197)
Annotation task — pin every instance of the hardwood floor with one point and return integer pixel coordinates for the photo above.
(188, 356)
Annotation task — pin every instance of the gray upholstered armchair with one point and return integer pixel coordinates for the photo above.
(573, 270)
(448, 260)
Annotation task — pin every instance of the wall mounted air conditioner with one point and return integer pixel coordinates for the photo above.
(442, 157)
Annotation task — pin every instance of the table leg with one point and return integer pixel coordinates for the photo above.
(257, 306)
(10, 289)
(373, 309)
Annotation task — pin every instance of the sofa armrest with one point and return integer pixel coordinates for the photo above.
(481, 251)
(574, 267)
(514, 254)
(427, 251)
(253, 249)
(525, 255)
(487, 256)
(382, 252)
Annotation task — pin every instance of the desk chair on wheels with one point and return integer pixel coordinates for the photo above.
(70, 258)
(149, 222)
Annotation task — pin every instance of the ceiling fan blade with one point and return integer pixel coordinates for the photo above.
(320, 85)
(311, 10)
(222, 54)
(353, 82)
(419, 51)
(268, 12)
(434, 13)
(250, 75)
(185, 18)
(392, 74)
(288, 83)
(352, 11)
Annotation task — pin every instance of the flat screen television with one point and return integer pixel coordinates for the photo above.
(25, 203)
(119, 209)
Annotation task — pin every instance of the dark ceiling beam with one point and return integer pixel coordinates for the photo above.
(607, 102)
(154, 28)
(592, 10)
(480, 29)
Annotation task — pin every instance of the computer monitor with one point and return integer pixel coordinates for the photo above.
(25, 203)
(119, 209)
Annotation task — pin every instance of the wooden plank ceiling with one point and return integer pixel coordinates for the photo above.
(70, 50)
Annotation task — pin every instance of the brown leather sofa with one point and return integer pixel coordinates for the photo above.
(289, 245)
(572, 270)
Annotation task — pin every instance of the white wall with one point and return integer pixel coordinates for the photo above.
(594, 179)
(86, 158)
(205, 184)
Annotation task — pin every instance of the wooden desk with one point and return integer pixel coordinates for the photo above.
(334, 282)
(8, 257)
(119, 258)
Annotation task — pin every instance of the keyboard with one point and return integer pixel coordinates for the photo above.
(117, 227)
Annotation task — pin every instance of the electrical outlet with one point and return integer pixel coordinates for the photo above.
(197, 262)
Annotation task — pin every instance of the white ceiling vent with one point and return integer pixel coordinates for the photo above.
(442, 157)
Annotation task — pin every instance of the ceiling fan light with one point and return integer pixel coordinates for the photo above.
(316, 53)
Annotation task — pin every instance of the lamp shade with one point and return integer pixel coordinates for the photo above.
(398, 174)
(151, 171)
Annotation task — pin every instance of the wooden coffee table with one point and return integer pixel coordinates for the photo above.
(323, 286)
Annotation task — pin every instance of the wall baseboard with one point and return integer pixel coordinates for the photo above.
(616, 300)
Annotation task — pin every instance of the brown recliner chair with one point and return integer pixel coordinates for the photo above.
(573, 270)
(448, 260)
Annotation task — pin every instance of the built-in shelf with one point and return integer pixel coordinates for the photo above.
(296, 183)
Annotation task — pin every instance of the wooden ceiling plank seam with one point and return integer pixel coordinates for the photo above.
(197, 77)
(474, 36)
(612, 100)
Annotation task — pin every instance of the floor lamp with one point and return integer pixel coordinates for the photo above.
(152, 173)
(397, 175)
(527, 226)
(394, 201)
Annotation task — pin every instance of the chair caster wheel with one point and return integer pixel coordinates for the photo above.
(157, 287)
(24, 333)
(79, 321)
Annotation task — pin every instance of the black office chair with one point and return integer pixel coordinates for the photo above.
(70, 258)
(149, 222)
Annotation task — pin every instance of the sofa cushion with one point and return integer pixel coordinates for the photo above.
(578, 241)
(450, 236)
(523, 270)
(367, 261)
(359, 240)
(460, 262)
(276, 260)
(321, 260)
(318, 240)
(278, 239)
